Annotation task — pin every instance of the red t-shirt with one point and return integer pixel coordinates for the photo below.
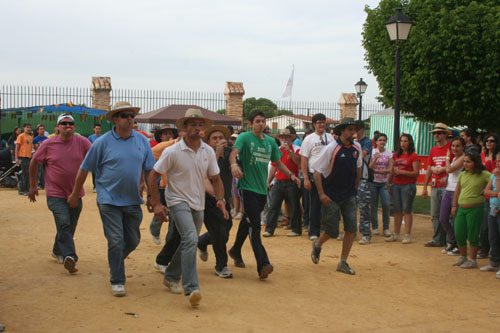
(405, 163)
(488, 165)
(290, 164)
(153, 143)
(437, 157)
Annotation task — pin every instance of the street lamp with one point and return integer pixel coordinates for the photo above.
(360, 90)
(398, 27)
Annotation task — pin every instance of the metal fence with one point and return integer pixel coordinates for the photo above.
(149, 100)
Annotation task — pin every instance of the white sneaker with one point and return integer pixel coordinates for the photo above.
(365, 240)
(313, 237)
(156, 240)
(160, 268)
(267, 234)
(340, 237)
(375, 232)
(392, 238)
(59, 259)
(407, 239)
(118, 290)
(172, 286)
(233, 212)
(498, 274)
(238, 216)
(195, 298)
(293, 234)
(387, 233)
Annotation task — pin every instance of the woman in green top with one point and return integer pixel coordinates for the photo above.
(468, 208)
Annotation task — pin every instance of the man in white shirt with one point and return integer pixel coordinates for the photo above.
(310, 151)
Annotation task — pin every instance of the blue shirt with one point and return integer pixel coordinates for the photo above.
(494, 201)
(117, 164)
(37, 139)
(297, 142)
(93, 137)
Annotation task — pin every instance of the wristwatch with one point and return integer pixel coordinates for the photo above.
(222, 199)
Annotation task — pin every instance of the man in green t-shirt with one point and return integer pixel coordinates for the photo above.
(254, 150)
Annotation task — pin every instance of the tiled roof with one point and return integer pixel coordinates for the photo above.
(234, 88)
(309, 118)
(101, 83)
(348, 98)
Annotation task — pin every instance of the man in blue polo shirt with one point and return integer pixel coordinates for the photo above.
(118, 160)
(337, 173)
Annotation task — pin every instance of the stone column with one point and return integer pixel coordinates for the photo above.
(101, 93)
(234, 99)
(348, 103)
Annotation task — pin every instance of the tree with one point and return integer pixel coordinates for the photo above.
(285, 112)
(263, 104)
(221, 111)
(450, 65)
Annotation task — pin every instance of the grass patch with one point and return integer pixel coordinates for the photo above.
(421, 205)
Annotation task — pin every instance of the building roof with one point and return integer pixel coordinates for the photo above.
(348, 98)
(101, 83)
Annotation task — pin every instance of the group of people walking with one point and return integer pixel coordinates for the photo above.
(188, 173)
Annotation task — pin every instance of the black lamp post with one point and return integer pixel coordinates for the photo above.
(399, 27)
(360, 90)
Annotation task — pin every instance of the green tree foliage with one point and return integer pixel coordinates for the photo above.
(263, 104)
(285, 112)
(221, 111)
(450, 65)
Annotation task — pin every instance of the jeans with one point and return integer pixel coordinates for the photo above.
(331, 216)
(403, 196)
(188, 223)
(253, 203)
(284, 190)
(363, 199)
(66, 219)
(25, 175)
(380, 190)
(121, 228)
(40, 175)
(437, 194)
(445, 214)
(483, 236)
(314, 211)
(494, 228)
(217, 234)
(172, 241)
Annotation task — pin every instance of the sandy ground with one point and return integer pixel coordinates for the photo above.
(396, 287)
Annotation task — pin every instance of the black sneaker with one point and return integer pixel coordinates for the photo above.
(266, 270)
(316, 251)
(343, 267)
(238, 261)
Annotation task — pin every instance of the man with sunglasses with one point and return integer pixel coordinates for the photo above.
(311, 149)
(436, 173)
(118, 159)
(62, 156)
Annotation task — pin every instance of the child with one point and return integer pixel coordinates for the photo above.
(468, 208)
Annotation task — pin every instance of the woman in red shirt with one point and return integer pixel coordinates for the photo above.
(405, 167)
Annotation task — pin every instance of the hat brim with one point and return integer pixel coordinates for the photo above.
(159, 132)
(110, 114)
(180, 122)
(217, 128)
(447, 131)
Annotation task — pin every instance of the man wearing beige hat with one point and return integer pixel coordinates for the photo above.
(436, 173)
(118, 159)
(186, 164)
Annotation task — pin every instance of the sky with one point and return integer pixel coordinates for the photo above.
(189, 45)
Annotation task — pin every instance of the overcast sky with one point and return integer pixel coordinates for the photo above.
(188, 45)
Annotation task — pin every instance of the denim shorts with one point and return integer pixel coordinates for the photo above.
(331, 216)
(403, 196)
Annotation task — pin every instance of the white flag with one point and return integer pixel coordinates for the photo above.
(289, 85)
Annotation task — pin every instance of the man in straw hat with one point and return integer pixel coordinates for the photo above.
(340, 165)
(436, 173)
(254, 150)
(62, 156)
(118, 159)
(186, 164)
(285, 188)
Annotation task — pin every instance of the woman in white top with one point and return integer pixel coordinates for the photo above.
(454, 166)
(380, 165)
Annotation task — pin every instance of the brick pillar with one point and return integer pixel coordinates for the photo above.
(348, 103)
(101, 93)
(234, 99)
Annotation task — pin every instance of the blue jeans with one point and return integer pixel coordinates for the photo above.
(284, 190)
(403, 196)
(380, 190)
(121, 228)
(437, 194)
(66, 219)
(494, 235)
(188, 223)
(484, 235)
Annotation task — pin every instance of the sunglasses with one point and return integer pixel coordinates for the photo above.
(439, 133)
(490, 141)
(65, 123)
(126, 115)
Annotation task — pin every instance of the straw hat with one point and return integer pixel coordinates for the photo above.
(159, 132)
(190, 114)
(283, 132)
(441, 127)
(119, 107)
(217, 128)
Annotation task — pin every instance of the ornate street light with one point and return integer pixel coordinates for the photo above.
(360, 90)
(398, 27)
